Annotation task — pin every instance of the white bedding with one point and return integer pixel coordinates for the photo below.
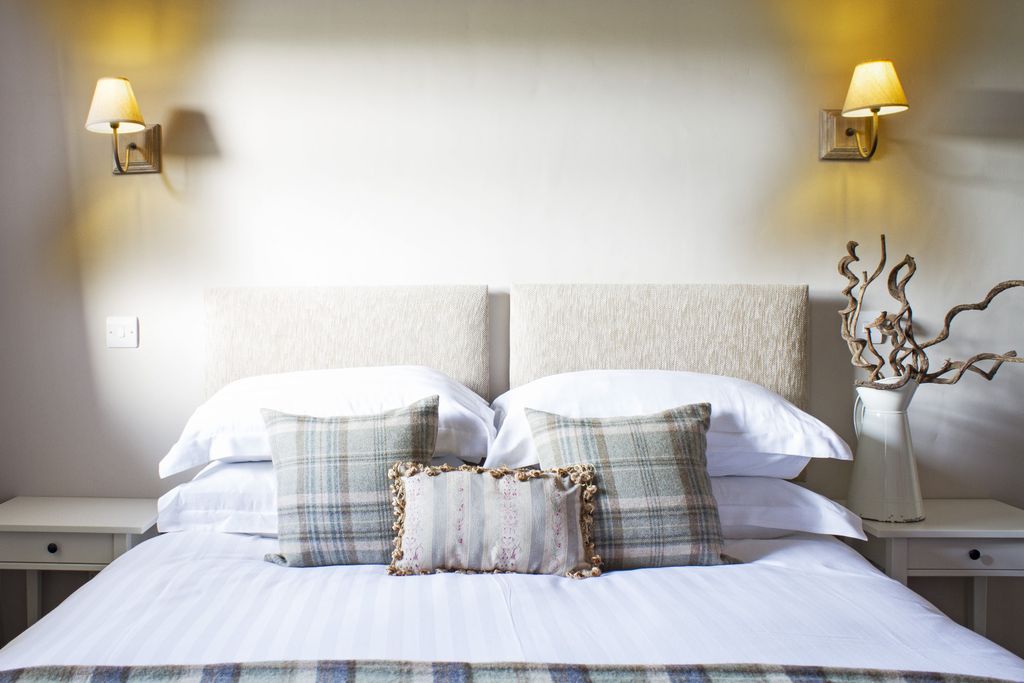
(195, 597)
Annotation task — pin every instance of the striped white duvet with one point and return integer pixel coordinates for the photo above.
(194, 597)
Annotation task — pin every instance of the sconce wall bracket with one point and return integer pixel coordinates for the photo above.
(833, 142)
(145, 156)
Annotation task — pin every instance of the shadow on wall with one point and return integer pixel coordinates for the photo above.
(991, 119)
(51, 420)
(44, 358)
(499, 305)
(188, 137)
(981, 113)
(955, 424)
(56, 586)
(831, 381)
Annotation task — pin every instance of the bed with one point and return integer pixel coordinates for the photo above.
(193, 605)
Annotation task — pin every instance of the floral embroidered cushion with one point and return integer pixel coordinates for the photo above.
(473, 519)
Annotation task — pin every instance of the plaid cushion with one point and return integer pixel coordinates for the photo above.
(474, 519)
(654, 503)
(333, 497)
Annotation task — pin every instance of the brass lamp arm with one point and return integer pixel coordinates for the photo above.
(128, 152)
(874, 137)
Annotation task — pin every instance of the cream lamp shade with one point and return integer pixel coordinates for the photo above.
(875, 88)
(113, 102)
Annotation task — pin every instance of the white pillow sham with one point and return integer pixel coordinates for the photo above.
(238, 498)
(754, 432)
(767, 507)
(242, 498)
(229, 426)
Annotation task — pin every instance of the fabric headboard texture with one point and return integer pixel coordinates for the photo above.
(256, 331)
(753, 332)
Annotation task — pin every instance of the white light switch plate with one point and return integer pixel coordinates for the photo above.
(122, 332)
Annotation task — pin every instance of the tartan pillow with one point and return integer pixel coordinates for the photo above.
(333, 504)
(655, 507)
(472, 519)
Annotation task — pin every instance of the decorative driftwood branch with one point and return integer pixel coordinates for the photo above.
(907, 359)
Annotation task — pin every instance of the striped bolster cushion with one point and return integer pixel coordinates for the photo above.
(473, 519)
(655, 507)
(333, 500)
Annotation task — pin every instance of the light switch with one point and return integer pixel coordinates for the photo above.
(122, 332)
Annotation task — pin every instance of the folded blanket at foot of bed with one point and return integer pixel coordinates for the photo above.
(378, 671)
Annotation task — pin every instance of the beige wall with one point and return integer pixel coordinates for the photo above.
(492, 142)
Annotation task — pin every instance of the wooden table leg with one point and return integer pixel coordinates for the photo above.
(977, 605)
(32, 596)
(896, 559)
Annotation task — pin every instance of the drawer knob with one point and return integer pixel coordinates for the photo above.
(975, 554)
(52, 548)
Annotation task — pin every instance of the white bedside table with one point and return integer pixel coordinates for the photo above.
(68, 534)
(971, 538)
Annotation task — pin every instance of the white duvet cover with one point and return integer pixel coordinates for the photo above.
(193, 597)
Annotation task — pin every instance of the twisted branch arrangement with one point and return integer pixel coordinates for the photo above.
(907, 358)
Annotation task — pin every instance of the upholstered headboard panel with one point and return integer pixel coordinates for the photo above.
(753, 332)
(254, 331)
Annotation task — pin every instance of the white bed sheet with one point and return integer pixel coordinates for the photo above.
(197, 597)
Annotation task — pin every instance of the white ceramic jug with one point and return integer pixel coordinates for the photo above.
(884, 484)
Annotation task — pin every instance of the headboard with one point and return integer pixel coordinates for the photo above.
(753, 332)
(254, 331)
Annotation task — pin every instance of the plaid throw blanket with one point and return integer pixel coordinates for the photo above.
(438, 672)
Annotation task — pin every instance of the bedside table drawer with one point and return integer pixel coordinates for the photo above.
(982, 554)
(16, 546)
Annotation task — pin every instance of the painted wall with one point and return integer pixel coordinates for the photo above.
(492, 142)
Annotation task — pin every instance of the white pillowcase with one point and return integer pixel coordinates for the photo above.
(229, 427)
(237, 498)
(766, 507)
(242, 498)
(754, 432)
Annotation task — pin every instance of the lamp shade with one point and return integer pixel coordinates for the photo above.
(875, 86)
(114, 102)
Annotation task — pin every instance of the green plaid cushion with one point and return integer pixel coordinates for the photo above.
(654, 503)
(333, 493)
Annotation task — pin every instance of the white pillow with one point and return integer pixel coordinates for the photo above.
(229, 427)
(237, 498)
(242, 498)
(766, 507)
(754, 432)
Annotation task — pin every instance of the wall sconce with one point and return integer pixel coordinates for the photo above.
(114, 110)
(875, 91)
